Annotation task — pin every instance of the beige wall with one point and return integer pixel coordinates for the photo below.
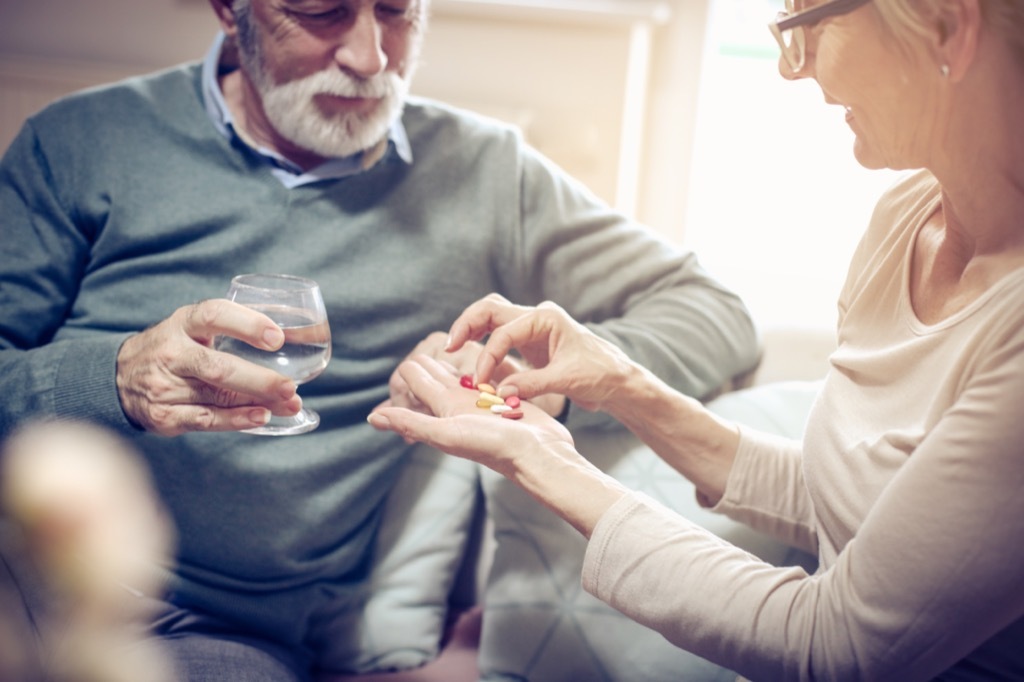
(559, 68)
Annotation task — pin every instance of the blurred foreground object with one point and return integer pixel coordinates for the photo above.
(81, 517)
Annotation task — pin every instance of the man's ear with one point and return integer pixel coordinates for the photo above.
(225, 14)
(957, 36)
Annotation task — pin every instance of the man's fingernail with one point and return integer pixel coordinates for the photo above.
(507, 390)
(448, 342)
(273, 337)
(378, 420)
(259, 416)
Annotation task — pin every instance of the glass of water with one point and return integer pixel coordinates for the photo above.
(297, 307)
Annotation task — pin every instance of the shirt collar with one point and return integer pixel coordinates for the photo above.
(287, 172)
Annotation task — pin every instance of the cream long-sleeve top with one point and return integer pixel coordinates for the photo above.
(909, 485)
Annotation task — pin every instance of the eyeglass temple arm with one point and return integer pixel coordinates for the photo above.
(818, 13)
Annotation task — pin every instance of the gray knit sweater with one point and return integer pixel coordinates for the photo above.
(121, 204)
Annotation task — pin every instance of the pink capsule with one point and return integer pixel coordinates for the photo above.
(466, 381)
(513, 401)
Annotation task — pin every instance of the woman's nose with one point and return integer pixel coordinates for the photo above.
(790, 74)
(785, 70)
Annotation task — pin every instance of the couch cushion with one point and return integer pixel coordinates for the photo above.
(399, 616)
(455, 663)
(539, 624)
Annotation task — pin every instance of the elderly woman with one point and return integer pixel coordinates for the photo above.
(909, 482)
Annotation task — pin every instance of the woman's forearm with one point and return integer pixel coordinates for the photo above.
(679, 429)
(567, 483)
(692, 440)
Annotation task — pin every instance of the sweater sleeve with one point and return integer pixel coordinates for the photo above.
(628, 285)
(941, 545)
(44, 370)
(766, 490)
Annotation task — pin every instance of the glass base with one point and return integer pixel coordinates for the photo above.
(305, 420)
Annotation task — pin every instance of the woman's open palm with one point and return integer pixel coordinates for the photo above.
(459, 427)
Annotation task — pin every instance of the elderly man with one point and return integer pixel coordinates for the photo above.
(295, 148)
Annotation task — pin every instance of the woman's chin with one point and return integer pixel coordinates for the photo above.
(867, 158)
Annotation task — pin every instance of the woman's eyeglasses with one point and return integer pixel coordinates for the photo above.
(790, 28)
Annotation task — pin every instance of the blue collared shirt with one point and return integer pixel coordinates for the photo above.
(288, 173)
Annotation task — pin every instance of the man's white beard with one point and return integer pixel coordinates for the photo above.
(291, 109)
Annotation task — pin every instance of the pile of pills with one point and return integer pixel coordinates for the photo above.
(489, 399)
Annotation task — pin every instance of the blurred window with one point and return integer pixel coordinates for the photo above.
(777, 201)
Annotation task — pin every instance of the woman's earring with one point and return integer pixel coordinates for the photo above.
(944, 70)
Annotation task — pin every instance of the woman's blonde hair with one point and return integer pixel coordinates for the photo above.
(910, 20)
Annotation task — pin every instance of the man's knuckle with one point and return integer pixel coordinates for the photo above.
(202, 419)
(211, 394)
(202, 313)
(223, 397)
(213, 367)
(161, 416)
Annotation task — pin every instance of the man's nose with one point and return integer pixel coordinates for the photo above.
(361, 51)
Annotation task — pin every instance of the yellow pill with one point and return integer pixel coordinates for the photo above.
(486, 388)
(488, 399)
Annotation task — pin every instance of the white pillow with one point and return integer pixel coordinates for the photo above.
(539, 624)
